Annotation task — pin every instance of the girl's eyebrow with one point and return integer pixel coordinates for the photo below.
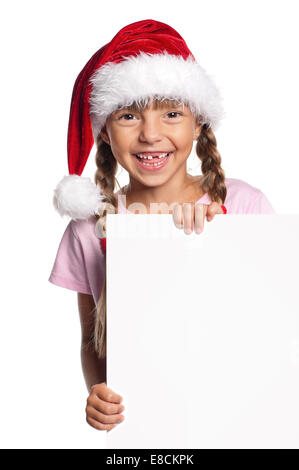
(166, 106)
(122, 110)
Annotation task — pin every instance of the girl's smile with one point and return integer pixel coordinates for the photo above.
(153, 162)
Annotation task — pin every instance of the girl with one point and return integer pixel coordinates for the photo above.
(143, 99)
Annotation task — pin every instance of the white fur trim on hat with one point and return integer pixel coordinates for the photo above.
(78, 197)
(139, 78)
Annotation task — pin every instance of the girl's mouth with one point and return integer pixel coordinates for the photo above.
(153, 164)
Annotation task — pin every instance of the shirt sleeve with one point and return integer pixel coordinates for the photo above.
(262, 205)
(69, 269)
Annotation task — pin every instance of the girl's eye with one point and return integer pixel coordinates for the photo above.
(174, 112)
(128, 114)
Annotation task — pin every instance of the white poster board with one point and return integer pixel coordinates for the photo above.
(203, 331)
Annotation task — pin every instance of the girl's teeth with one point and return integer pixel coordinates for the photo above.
(149, 157)
(151, 164)
(162, 158)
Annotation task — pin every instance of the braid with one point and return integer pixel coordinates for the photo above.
(106, 170)
(213, 181)
(106, 179)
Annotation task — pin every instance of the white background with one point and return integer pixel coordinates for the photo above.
(248, 47)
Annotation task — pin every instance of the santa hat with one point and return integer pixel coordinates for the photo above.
(145, 59)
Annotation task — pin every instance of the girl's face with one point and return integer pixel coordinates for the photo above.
(168, 128)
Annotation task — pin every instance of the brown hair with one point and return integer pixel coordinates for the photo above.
(213, 183)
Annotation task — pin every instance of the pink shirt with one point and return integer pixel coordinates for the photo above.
(80, 263)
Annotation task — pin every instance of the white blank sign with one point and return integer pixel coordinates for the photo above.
(203, 331)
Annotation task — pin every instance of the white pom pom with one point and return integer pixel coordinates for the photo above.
(77, 197)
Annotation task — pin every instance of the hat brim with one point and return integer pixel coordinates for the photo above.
(142, 77)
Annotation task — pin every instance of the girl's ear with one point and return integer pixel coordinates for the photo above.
(104, 135)
(197, 130)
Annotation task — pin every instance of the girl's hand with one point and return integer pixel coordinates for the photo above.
(103, 408)
(191, 216)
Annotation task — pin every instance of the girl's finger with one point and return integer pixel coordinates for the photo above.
(105, 393)
(213, 209)
(102, 418)
(101, 427)
(199, 216)
(188, 212)
(177, 215)
(104, 407)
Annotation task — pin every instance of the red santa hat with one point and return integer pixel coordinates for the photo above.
(144, 60)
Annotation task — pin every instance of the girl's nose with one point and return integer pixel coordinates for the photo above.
(150, 130)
